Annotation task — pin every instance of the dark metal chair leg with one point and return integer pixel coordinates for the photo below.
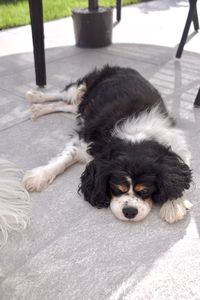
(118, 6)
(197, 100)
(192, 16)
(36, 14)
(196, 20)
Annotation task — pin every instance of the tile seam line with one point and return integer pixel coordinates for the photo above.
(131, 58)
(49, 61)
(13, 94)
(49, 243)
(15, 124)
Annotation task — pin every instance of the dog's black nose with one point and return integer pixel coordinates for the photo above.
(130, 212)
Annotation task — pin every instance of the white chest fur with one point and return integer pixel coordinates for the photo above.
(153, 125)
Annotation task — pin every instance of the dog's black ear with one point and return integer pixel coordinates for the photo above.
(173, 178)
(94, 181)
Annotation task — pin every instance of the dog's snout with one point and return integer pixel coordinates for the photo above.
(130, 212)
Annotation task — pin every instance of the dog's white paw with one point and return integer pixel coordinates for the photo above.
(35, 96)
(37, 179)
(175, 210)
(36, 111)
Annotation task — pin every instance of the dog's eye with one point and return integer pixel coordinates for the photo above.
(122, 188)
(143, 193)
(141, 190)
(118, 189)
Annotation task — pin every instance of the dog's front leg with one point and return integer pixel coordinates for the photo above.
(39, 178)
(175, 210)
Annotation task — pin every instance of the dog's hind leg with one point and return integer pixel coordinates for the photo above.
(38, 110)
(39, 178)
(72, 94)
(37, 96)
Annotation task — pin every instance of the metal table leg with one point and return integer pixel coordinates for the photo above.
(197, 100)
(36, 15)
(118, 6)
(192, 16)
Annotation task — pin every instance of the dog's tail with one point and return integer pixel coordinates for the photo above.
(14, 201)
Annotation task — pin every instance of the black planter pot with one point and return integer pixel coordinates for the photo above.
(93, 28)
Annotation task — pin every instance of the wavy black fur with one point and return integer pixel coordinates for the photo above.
(114, 94)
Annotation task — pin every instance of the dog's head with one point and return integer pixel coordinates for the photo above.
(130, 177)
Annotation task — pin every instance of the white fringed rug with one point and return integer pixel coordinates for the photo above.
(14, 201)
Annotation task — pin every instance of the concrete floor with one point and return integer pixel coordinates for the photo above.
(72, 250)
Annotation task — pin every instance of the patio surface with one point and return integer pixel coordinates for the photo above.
(71, 250)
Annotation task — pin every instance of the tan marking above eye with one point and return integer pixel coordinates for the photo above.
(123, 188)
(139, 187)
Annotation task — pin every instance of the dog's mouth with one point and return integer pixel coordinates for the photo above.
(128, 208)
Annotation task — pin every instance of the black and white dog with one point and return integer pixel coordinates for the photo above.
(135, 157)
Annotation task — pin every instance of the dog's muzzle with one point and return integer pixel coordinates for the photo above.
(128, 208)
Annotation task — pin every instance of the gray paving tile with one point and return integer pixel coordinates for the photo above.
(13, 110)
(15, 63)
(62, 70)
